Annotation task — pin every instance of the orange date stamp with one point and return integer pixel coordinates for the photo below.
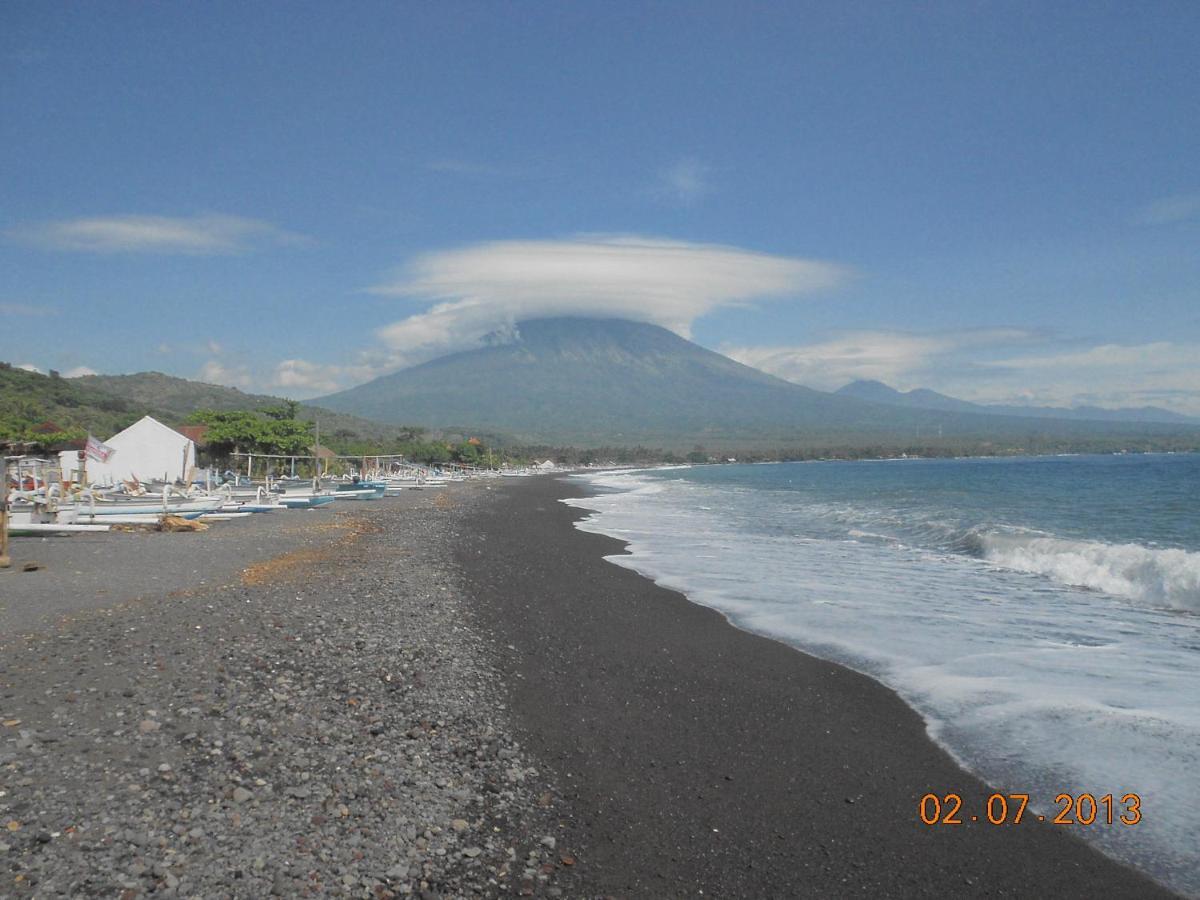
(1011, 809)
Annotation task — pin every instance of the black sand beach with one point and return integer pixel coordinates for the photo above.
(700, 759)
(452, 694)
(81, 572)
(286, 706)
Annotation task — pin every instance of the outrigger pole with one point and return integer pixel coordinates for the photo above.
(5, 561)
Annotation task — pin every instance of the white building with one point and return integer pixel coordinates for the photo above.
(145, 450)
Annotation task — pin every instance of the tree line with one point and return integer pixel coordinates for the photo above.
(276, 430)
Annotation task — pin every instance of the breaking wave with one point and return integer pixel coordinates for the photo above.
(1148, 576)
(1043, 617)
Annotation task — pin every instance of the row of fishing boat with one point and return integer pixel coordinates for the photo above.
(40, 503)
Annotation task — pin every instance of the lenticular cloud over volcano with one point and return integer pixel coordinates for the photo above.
(485, 287)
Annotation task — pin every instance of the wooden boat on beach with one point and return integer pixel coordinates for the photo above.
(39, 529)
(135, 507)
(305, 501)
(360, 490)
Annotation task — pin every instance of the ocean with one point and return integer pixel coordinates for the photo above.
(1041, 614)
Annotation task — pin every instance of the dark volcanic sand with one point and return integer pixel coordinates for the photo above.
(324, 725)
(700, 759)
(96, 571)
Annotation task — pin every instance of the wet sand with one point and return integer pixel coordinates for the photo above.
(698, 759)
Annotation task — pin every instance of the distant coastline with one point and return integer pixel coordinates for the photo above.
(51, 412)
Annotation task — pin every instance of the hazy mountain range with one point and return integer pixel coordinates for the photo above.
(923, 398)
(610, 381)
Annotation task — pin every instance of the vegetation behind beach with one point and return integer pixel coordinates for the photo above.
(46, 412)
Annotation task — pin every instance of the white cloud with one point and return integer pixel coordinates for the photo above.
(1107, 356)
(303, 378)
(307, 377)
(30, 367)
(213, 347)
(1161, 373)
(211, 234)
(296, 378)
(893, 357)
(24, 309)
(1168, 210)
(485, 287)
(981, 366)
(231, 375)
(685, 182)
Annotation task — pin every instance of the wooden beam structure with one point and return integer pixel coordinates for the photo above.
(5, 560)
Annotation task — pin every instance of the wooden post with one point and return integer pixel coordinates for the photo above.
(5, 561)
(317, 448)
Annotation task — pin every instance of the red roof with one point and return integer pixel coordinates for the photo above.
(194, 433)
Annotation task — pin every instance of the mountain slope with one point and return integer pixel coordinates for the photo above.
(587, 379)
(598, 381)
(52, 403)
(923, 398)
(174, 399)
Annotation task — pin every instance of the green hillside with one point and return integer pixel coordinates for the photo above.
(49, 409)
(36, 407)
(177, 398)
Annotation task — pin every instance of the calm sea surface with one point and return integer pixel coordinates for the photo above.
(1043, 615)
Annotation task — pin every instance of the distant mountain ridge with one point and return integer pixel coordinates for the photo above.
(589, 380)
(592, 382)
(923, 398)
(177, 398)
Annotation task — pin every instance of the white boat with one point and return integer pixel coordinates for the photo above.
(131, 518)
(363, 490)
(305, 501)
(32, 529)
(108, 506)
(25, 512)
(236, 507)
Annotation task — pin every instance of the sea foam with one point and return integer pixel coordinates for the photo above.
(1167, 578)
(1036, 685)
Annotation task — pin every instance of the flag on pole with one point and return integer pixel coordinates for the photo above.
(98, 450)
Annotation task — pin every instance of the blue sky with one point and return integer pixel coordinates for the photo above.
(996, 200)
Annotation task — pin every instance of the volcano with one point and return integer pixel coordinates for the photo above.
(596, 382)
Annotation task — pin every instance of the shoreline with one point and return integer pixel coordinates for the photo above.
(696, 756)
(452, 694)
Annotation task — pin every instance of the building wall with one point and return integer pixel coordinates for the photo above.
(146, 449)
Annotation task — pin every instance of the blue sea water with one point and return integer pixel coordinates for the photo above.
(1042, 614)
